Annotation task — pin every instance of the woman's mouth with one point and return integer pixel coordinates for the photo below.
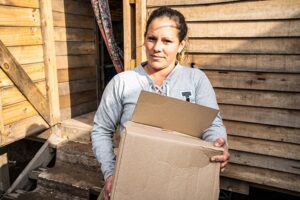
(155, 57)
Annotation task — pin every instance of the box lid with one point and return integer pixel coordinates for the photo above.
(173, 114)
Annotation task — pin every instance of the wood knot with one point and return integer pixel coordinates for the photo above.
(6, 66)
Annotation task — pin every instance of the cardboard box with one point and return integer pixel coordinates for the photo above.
(161, 163)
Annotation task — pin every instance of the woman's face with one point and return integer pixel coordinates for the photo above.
(162, 43)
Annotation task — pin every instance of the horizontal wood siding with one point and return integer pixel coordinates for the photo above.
(20, 31)
(74, 33)
(250, 51)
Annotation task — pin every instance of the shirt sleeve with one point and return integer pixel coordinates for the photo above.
(106, 120)
(205, 96)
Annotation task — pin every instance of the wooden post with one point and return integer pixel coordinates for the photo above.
(50, 60)
(4, 172)
(140, 23)
(127, 24)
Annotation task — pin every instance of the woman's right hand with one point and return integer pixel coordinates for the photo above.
(108, 188)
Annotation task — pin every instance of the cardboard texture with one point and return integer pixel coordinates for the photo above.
(172, 114)
(155, 163)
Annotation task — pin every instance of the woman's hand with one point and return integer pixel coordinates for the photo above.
(108, 188)
(223, 159)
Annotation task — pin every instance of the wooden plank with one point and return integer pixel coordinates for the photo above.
(73, 34)
(268, 99)
(53, 115)
(1, 116)
(76, 86)
(27, 3)
(264, 147)
(265, 132)
(73, 7)
(270, 116)
(12, 95)
(140, 23)
(27, 54)
(24, 128)
(17, 36)
(257, 63)
(257, 29)
(263, 176)
(77, 98)
(66, 75)
(74, 48)
(257, 81)
(245, 46)
(152, 3)
(234, 185)
(68, 62)
(242, 10)
(77, 110)
(4, 171)
(16, 16)
(16, 112)
(73, 21)
(266, 162)
(35, 71)
(20, 78)
(129, 41)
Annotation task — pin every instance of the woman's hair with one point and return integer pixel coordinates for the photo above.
(174, 15)
(181, 25)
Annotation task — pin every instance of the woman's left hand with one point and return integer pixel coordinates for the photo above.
(223, 159)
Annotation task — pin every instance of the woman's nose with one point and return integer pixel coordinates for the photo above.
(157, 46)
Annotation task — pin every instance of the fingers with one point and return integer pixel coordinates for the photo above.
(220, 142)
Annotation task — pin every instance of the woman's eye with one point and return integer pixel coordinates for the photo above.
(151, 39)
(167, 41)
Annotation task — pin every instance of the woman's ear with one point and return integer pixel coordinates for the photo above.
(181, 46)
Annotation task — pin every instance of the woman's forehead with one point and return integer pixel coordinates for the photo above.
(162, 24)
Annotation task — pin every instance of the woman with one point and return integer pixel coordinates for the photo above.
(165, 36)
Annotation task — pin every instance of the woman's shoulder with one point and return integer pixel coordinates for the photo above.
(191, 71)
(128, 74)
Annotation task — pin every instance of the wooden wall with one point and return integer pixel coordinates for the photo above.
(20, 31)
(74, 28)
(250, 50)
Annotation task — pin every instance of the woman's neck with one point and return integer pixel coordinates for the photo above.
(159, 75)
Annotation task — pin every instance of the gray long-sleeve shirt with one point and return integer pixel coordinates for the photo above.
(120, 97)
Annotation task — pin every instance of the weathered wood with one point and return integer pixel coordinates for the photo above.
(27, 54)
(4, 171)
(77, 98)
(263, 176)
(35, 72)
(73, 21)
(140, 21)
(266, 162)
(73, 7)
(264, 147)
(258, 63)
(234, 185)
(50, 62)
(242, 10)
(1, 117)
(12, 95)
(20, 78)
(16, 16)
(68, 62)
(65, 75)
(76, 86)
(257, 29)
(27, 3)
(285, 100)
(270, 116)
(74, 48)
(41, 159)
(17, 36)
(73, 34)
(16, 112)
(77, 110)
(265, 132)
(24, 128)
(151, 3)
(257, 81)
(129, 28)
(245, 46)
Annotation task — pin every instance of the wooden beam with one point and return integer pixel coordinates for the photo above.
(74, 34)
(74, 48)
(153, 3)
(50, 61)
(16, 73)
(234, 185)
(72, 20)
(1, 118)
(129, 39)
(140, 23)
(18, 3)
